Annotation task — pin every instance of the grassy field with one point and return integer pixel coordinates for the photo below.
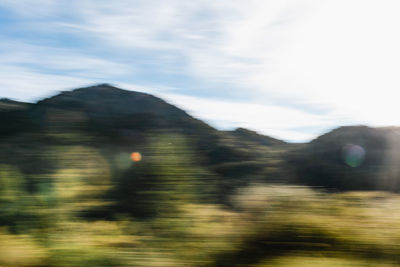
(268, 226)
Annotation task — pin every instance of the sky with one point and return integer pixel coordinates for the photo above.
(289, 69)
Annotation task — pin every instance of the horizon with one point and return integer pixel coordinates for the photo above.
(230, 129)
(285, 69)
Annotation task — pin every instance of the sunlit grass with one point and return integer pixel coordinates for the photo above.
(290, 261)
(265, 225)
(291, 225)
(20, 250)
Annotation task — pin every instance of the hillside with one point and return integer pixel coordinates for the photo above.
(115, 121)
(10, 105)
(252, 136)
(351, 158)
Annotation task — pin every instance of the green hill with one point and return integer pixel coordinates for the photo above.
(117, 122)
(351, 158)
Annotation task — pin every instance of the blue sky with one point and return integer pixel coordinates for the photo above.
(289, 69)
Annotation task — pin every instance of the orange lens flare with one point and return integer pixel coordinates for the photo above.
(136, 156)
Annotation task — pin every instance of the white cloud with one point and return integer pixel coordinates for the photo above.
(29, 72)
(341, 54)
(63, 60)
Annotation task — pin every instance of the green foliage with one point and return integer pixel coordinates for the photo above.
(271, 225)
(11, 185)
(167, 177)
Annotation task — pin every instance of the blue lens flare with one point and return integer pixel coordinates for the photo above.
(353, 155)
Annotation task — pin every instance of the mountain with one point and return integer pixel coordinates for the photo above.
(351, 158)
(117, 115)
(108, 110)
(87, 135)
(116, 122)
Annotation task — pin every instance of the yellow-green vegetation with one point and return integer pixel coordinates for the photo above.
(271, 226)
(20, 250)
(162, 212)
(290, 261)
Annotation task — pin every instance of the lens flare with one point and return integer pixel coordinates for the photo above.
(136, 156)
(353, 155)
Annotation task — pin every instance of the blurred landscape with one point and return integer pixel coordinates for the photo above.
(100, 176)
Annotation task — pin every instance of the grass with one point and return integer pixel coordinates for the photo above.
(269, 226)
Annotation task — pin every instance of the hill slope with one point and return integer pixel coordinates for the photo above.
(115, 122)
(351, 158)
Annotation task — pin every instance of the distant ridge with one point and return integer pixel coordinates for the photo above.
(351, 158)
(256, 137)
(116, 121)
(113, 119)
(110, 98)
